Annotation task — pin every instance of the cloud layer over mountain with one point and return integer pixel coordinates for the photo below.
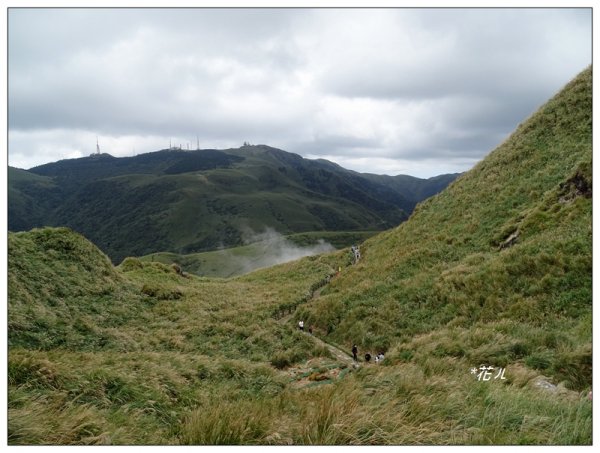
(414, 91)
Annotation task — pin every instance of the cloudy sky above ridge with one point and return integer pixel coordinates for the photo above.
(394, 91)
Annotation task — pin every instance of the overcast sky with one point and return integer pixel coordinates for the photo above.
(394, 91)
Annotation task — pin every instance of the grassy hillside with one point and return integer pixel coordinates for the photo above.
(497, 268)
(193, 201)
(124, 355)
(495, 271)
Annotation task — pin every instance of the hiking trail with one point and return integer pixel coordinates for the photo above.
(319, 370)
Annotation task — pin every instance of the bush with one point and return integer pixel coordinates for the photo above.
(281, 360)
(203, 372)
(160, 292)
(574, 367)
(131, 264)
(33, 372)
(284, 359)
(406, 355)
(539, 360)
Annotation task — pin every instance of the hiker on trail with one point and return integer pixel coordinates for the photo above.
(355, 353)
(376, 359)
(367, 357)
(301, 325)
(380, 356)
(355, 253)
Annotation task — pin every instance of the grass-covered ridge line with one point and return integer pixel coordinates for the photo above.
(507, 248)
(495, 270)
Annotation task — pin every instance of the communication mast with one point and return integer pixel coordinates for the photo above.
(97, 146)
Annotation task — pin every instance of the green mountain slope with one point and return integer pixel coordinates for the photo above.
(193, 201)
(494, 271)
(504, 253)
(31, 198)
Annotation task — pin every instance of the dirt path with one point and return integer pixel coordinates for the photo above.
(322, 370)
(339, 354)
(319, 370)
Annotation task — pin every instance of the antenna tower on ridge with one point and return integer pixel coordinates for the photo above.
(97, 146)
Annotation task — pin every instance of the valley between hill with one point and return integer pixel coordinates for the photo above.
(494, 271)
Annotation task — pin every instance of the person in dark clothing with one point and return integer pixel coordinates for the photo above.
(367, 357)
(355, 353)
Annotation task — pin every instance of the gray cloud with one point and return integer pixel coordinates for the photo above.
(437, 53)
(337, 144)
(368, 88)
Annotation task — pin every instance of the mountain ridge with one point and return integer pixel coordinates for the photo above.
(195, 201)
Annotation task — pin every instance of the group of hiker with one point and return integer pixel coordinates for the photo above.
(378, 357)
